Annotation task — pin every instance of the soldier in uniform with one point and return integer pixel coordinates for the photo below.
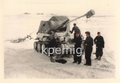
(88, 48)
(99, 41)
(52, 44)
(78, 42)
(75, 29)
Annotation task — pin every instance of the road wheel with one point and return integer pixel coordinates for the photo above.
(35, 46)
(39, 47)
(43, 47)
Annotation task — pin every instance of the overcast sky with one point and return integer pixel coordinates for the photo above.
(69, 7)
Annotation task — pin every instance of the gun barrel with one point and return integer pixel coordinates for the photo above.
(89, 14)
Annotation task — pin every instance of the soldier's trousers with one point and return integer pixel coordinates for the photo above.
(76, 57)
(88, 52)
(99, 52)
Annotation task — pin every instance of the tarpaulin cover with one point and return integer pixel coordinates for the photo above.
(56, 23)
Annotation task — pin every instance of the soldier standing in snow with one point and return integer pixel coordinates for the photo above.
(52, 44)
(88, 48)
(78, 54)
(99, 41)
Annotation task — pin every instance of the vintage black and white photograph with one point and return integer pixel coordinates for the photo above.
(59, 39)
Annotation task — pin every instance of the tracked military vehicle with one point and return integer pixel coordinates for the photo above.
(61, 26)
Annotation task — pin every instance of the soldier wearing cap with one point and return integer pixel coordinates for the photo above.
(78, 55)
(99, 41)
(75, 29)
(88, 48)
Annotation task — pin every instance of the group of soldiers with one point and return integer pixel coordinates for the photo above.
(88, 45)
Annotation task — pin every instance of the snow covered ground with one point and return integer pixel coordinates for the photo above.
(22, 61)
